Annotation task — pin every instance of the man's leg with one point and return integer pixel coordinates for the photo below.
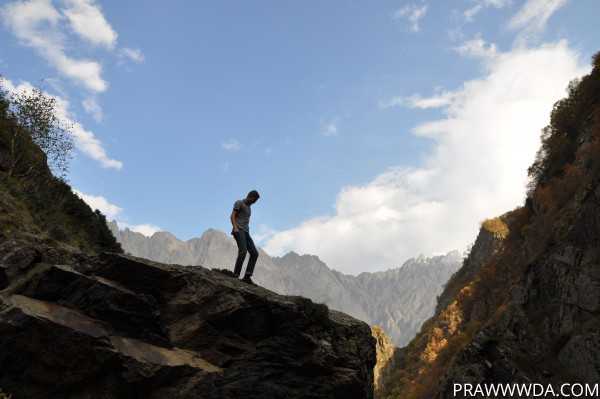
(240, 239)
(253, 255)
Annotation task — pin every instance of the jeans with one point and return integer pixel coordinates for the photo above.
(245, 244)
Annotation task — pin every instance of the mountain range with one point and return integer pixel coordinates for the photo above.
(399, 299)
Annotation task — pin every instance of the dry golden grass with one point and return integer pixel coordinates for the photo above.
(497, 227)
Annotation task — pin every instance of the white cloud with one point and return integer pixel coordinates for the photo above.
(86, 19)
(85, 140)
(475, 169)
(89, 144)
(479, 5)
(329, 128)
(133, 54)
(534, 15)
(111, 211)
(36, 24)
(413, 13)
(231, 145)
(438, 100)
(92, 107)
(477, 48)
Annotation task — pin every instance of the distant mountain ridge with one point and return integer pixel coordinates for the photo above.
(399, 300)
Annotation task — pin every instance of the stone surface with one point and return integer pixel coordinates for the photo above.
(115, 326)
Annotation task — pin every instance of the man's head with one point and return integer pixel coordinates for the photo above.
(252, 197)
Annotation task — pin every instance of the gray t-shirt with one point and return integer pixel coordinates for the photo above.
(243, 215)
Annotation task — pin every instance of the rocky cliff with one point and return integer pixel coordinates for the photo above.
(78, 319)
(398, 299)
(524, 307)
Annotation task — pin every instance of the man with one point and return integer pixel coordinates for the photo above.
(240, 220)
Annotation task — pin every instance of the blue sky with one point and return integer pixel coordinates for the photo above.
(368, 128)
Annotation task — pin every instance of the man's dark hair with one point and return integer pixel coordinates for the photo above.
(253, 194)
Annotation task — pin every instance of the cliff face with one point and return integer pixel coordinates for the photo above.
(78, 319)
(525, 306)
(398, 300)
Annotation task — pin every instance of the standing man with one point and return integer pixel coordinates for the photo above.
(240, 220)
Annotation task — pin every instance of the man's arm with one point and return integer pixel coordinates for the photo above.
(233, 219)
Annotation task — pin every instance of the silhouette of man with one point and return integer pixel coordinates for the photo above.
(240, 220)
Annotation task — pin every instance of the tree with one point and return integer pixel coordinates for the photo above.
(36, 114)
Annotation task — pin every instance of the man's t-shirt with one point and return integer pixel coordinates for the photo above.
(243, 215)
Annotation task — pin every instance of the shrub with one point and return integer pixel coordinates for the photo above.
(36, 114)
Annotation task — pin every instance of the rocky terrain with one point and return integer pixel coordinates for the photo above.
(117, 326)
(79, 319)
(398, 299)
(525, 306)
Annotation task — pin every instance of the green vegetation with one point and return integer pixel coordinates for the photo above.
(36, 114)
(33, 201)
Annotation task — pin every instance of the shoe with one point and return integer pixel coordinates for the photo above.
(248, 280)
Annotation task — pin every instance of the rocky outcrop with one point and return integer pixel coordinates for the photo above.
(385, 351)
(398, 299)
(115, 326)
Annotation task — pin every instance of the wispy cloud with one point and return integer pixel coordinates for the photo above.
(480, 5)
(477, 48)
(87, 20)
(49, 31)
(476, 168)
(534, 15)
(231, 145)
(330, 128)
(413, 13)
(438, 100)
(91, 106)
(132, 54)
(36, 23)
